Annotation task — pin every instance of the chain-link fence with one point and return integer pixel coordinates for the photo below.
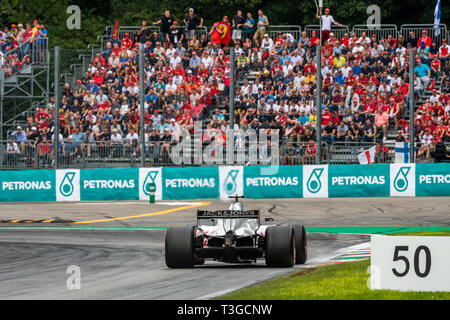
(84, 82)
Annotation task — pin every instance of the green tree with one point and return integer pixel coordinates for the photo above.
(96, 14)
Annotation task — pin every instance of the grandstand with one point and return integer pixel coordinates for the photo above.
(364, 70)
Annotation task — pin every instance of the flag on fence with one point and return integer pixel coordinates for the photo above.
(437, 18)
(367, 156)
(402, 152)
(115, 29)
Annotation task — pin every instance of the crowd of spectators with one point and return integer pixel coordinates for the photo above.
(20, 45)
(365, 89)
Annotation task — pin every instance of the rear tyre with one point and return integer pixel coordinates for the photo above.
(179, 247)
(301, 252)
(280, 246)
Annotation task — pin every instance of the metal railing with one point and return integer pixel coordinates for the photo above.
(274, 30)
(133, 30)
(30, 52)
(337, 30)
(347, 152)
(302, 153)
(405, 29)
(106, 154)
(382, 31)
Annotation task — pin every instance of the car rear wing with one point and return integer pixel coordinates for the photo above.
(228, 214)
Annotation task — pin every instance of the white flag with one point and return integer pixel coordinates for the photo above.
(367, 156)
(402, 152)
(437, 18)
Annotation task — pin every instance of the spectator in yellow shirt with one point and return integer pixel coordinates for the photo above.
(35, 30)
(339, 61)
(310, 78)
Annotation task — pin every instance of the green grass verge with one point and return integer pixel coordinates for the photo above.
(343, 281)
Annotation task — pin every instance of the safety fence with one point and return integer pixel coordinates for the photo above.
(117, 152)
(436, 34)
(122, 152)
(274, 31)
(381, 31)
(339, 31)
(258, 182)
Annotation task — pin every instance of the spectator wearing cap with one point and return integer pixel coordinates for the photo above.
(267, 42)
(158, 50)
(175, 35)
(20, 136)
(126, 42)
(327, 21)
(20, 33)
(12, 153)
(444, 52)
(154, 38)
(35, 31)
(425, 39)
(262, 24)
(226, 32)
(423, 52)
(192, 22)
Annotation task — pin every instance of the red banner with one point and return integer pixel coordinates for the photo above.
(226, 33)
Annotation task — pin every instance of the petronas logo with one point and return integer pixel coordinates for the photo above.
(401, 179)
(229, 185)
(66, 187)
(314, 185)
(150, 178)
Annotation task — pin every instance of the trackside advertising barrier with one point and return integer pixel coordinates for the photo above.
(256, 182)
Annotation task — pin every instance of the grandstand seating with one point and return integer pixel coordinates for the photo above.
(336, 153)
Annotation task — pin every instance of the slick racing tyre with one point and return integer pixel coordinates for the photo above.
(179, 247)
(280, 246)
(301, 252)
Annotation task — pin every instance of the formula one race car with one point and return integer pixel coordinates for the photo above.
(235, 236)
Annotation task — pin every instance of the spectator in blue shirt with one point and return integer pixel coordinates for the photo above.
(249, 26)
(424, 73)
(194, 62)
(303, 118)
(77, 137)
(339, 78)
(303, 39)
(356, 68)
(92, 86)
(151, 97)
(20, 137)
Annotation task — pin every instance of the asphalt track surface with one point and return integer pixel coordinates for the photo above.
(119, 260)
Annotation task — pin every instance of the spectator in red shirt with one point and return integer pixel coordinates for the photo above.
(425, 38)
(126, 42)
(326, 116)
